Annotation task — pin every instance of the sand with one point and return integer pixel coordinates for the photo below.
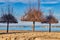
(31, 36)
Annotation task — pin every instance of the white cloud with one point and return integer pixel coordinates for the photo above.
(2, 0)
(32, 1)
(53, 2)
(46, 8)
(35, 1)
(23, 1)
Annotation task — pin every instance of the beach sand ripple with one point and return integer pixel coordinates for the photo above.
(31, 36)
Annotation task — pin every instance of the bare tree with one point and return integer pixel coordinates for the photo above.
(8, 18)
(50, 19)
(33, 15)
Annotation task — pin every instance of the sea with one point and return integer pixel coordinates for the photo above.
(41, 27)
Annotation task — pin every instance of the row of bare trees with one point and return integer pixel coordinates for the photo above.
(32, 15)
(37, 16)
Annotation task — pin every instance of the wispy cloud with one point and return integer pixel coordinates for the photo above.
(2, 0)
(46, 8)
(53, 2)
(23, 1)
(33, 1)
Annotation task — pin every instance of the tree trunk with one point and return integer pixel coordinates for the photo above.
(49, 27)
(33, 28)
(7, 27)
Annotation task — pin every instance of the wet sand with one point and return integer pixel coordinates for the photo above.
(28, 35)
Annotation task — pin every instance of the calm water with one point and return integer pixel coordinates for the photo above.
(16, 27)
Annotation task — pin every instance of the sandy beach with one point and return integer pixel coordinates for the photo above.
(25, 35)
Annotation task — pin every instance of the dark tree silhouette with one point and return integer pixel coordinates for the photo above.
(50, 19)
(8, 18)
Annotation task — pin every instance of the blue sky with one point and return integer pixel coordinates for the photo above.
(21, 6)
